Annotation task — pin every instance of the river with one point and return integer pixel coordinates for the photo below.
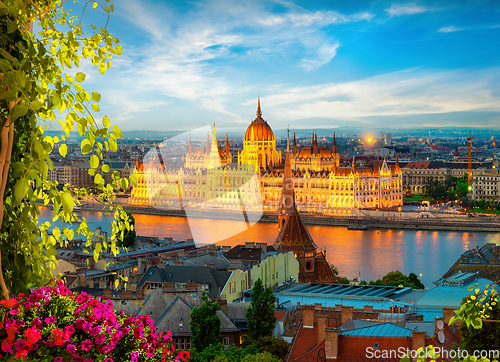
(370, 253)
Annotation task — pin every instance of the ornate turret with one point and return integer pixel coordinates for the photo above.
(208, 148)
(315, 144)
(226, 147)
(396, 166)
(294, 148)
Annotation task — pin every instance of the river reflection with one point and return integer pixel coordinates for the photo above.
(369, 253)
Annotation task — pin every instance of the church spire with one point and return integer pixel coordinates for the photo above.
(208, 148)
(190, 146)
(353, 166)
(294, 148)
(334, 144)
(287, 201)
(259, 112)
(137, 163)
(226, 150)
(214, 136)
(396, 166)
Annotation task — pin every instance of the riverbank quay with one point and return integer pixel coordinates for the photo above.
(460, 224)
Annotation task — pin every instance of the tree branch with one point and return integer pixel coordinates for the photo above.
(40, 13)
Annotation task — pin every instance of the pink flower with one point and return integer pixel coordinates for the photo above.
(100, 339)
(95, 331)
(134, 356)
(86, 345)
(50, 320)
(58, 359)
(108, 360)
(20, 344)
(107, 348)
(79, 323)
(71, 348)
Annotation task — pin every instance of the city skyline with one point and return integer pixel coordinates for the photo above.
(378, 64)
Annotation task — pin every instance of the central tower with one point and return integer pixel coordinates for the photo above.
(259, 144)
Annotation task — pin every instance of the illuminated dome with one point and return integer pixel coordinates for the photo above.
(259, 130)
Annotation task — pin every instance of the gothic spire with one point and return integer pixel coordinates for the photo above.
(259, 112)
(294, 148)
(226, 150)
(190, 147)
(334, 144)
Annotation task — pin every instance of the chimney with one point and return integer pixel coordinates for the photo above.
(321, 328)
(132, 287)
(439, 326)
(417, 340)
(332, 343)
(345, 314)
(223, 305)
(102, 284)
(308, 316)
(91, 283)
(448, 313)
(249, 244)
(263, 246)
(368, 308)
(82, 280)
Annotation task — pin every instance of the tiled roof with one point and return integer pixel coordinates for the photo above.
(240, 252)
(294, 234)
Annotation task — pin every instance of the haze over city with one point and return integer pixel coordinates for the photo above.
(315, 64)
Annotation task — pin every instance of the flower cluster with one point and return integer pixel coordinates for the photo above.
(54, 324)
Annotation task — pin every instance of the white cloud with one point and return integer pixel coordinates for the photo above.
(412, 92)
(180, 59)
(406, 9)
(449, 29)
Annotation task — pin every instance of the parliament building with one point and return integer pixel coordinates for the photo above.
(209, 178)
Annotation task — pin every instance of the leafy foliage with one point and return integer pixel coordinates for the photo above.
(278, 347)
(452, 188)
(395, 278)
(205, 324)
(485, 338)
(39, 90)
(129, 235)
(260, 313)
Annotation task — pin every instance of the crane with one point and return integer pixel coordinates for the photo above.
(469, 147)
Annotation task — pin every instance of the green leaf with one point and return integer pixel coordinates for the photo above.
(96, 97)
(63, 149)
(9, 95)
(67, 201)
(94, 161)
(78, 88)
(117, 131)
(20, 189)
(105, 168)
(97, 251)
(69, 79)
(133, 179)
(102, 67)
(94, 6)
(106, 122)
(118, 50)
(124, 183)
(80, 77)
(86, 146)
(19, 110)
(5, 65)
(98, 179)
(95, 107)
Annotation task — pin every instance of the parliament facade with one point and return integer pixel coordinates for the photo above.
(209, 178)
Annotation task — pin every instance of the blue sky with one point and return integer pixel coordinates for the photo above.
(316, 64)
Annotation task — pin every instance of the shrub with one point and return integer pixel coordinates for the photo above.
(52, 324)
